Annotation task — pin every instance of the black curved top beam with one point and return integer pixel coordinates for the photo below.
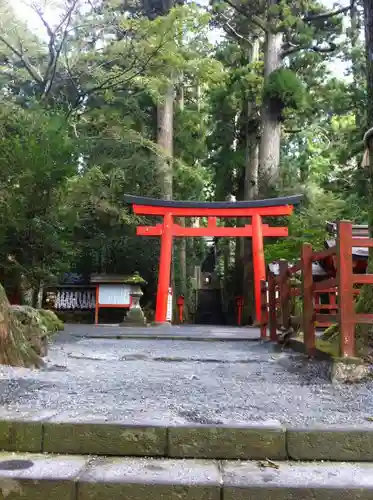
(270, 202)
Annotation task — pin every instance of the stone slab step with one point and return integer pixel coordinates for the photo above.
(44, 432)
(64, 477)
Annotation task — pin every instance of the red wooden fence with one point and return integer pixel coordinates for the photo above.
(278, 291)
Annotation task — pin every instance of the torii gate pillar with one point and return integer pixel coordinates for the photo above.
(164, 269)
(258, 263)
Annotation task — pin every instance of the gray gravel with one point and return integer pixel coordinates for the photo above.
(175, 381)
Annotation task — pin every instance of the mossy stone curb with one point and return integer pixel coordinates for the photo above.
(241, 442)
(256, 441)
(327, 443)
(21, 436)
(105, 439)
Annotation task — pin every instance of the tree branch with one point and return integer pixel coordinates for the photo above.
(253, 18)
(232, 31)
(32, 71)
(54, 52)
(326, 15)
(321, 50)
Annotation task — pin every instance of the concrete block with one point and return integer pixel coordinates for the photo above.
(21, 436)
(295, 481)
(39, 477)
(331, 443)
(150, 479)
(104, 439)
(22, 430)
(249, 441)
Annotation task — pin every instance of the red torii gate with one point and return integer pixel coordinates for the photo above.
(212, 210)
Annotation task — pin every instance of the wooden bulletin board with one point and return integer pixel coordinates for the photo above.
(112, 295)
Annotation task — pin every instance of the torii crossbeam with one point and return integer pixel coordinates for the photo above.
(212, 210)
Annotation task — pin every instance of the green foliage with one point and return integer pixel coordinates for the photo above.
(285, 90)
(36, 157)
(308, 225)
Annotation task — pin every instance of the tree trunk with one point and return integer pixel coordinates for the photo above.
(355, 47)
(269, 155)
(15, 349)
(165, 119)
(250, 193)
(252, 145)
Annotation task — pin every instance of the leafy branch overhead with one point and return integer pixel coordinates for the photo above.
(305, 26)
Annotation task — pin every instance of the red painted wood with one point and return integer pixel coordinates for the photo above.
(323, 254)
(213, 212)
(324, 307)
(96, 306)
(285, 294)
(264, 309)
(324, 284)
(164, 274)
(211, 230)
(272, 307)
(308, 306)
(362, 242)
(258, 263)
(366, 319)
(363, 279)
(329, 319)
(345, 289)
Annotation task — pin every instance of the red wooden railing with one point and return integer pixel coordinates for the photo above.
(278, 291)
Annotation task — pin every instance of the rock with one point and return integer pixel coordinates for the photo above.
(38, 326)
(348, 370)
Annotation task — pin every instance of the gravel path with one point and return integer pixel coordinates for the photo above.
(183, 381)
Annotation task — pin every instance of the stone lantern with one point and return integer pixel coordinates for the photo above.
(135, 315)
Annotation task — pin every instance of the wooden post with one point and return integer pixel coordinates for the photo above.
(285, 295)
(272, 306)
(308, 304)
(258, 263)
(264, 312)
(346, 310)
(97, 306)
(164, 274)
(333, 302)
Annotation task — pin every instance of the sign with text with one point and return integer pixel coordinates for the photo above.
(115, 294)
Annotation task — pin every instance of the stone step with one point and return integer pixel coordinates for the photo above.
(43, 432)
(64, 477)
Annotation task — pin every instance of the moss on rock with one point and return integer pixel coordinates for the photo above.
(38, 326)
(15, 346)
(51, 321)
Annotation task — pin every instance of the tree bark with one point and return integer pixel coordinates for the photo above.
(355, 46)
(165, 119)
(250, 192)
(269, 155)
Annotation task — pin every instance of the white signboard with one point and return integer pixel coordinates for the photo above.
(169, 305)
(114, 295)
